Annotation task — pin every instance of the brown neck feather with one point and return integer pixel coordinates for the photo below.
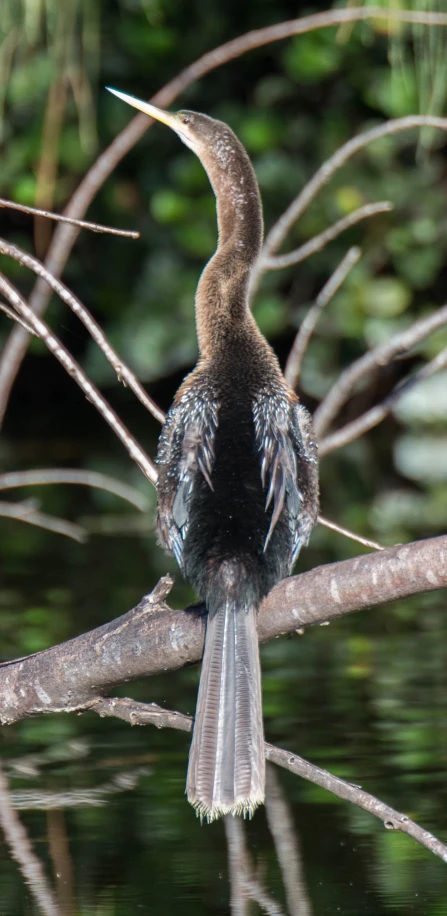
(222, 294)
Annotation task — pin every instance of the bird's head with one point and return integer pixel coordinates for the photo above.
(197, 131)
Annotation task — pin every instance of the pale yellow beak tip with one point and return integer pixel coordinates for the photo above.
(164, 116)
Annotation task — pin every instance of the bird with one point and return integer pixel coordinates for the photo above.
(237, 479)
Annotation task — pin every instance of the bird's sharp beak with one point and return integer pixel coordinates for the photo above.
(164, 116)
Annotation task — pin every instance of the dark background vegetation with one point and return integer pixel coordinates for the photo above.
(365, 697)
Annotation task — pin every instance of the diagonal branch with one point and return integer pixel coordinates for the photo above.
(123, 372)
(82, 224)
(348, 381)
(152, 638)
(293, 366)
(61, 353)
(144, 714)
(65, 236)
(319, 241)
(375, 415)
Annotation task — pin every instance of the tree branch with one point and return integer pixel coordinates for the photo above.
(123, 372)
(152, 638)
(375, 415)
(319, 241)
(144, 714)
(295, 359)
(70, 365)
(94, 227)
(348, 381)
(45, 476)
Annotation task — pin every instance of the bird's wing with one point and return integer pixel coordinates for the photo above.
(186, 450)
(289, 470)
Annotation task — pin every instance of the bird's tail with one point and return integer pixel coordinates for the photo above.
(226, 772)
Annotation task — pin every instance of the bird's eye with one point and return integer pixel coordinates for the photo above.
(186, 120)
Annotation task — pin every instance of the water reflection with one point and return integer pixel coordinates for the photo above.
(97, 826)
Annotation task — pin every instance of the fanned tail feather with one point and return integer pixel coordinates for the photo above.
(226, 772)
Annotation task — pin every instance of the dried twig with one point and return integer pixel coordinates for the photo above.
(392, 819)
(279, 231)
(82, 224)
(61, 353)
(27, 512)
(348, 381)
(349, 534)
(15, 317)
(65, 236)
(42, 476)
(373, 417)
(122, 370)
(21, 850)
(319, 241)
(294, 362)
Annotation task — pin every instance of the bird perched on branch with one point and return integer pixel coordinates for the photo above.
(238, 479)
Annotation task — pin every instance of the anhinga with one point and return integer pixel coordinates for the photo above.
(238, 479)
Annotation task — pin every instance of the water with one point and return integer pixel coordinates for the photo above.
(364, 698)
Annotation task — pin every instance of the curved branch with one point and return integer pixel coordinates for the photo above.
(65, 236)
(375, 415)
(152, 638)
(293, 365)
(70, 365)
(319, 241)
(149, 713)
(123, 372)
(43, 476)
(26, 512)
(373, 359)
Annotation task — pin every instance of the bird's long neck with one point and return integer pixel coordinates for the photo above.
(222, 309)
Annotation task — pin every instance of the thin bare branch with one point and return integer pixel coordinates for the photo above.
(26, 512)
(65, 236)
(21, 850)
(61, 353)
(14, 317)
(373, 417)
(44, 476)
(294, 362)
(279, 231)
(287, 846)
(319, 241)
(349, 534)
(82, 224)
(381, 356)
(123, 372)
(392, 819)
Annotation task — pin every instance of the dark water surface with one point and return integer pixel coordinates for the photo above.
(364, 698)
